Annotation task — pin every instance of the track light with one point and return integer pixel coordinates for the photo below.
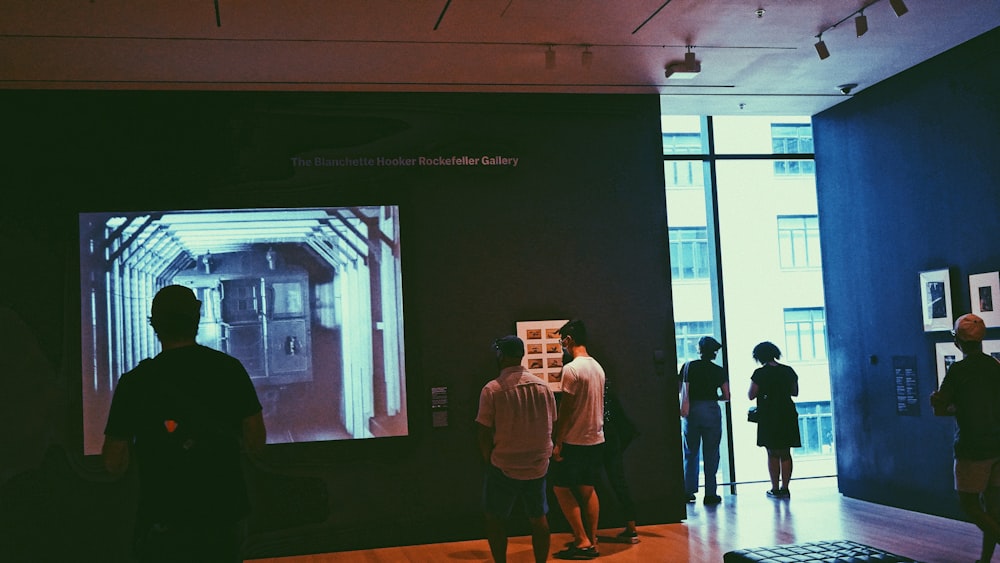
(550, 58)
(821, 49)
(861, 24)
(587, 57)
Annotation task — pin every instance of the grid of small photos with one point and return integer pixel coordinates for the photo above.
(542, 351)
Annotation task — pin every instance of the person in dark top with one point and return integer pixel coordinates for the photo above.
(619, 431)
(970, 392)
(708, 384)
(773, 385)
(184, 415)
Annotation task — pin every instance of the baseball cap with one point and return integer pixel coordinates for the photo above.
(510, 345)
(969, 328)
(174, 301)
(709, 344)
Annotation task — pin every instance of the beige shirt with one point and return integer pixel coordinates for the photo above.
(521, 409)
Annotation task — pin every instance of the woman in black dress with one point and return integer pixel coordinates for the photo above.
(773, 385)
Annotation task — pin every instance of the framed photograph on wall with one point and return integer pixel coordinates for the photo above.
(992, 347)
(984, 291)
(935, 300)
(947, 353)
(543, 352)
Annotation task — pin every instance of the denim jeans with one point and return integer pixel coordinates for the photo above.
(702, 431)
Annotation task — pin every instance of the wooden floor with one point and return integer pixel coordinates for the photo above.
(815, 512)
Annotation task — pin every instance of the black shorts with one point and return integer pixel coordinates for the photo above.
(581, 465)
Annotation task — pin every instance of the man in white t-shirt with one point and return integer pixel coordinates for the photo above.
(578, 450)
(516, 414)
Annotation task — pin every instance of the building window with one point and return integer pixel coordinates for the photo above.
(792, 138)
(687, 335)
(682, 143)
(683, 173)
(805, 335)
(798, 241)
(689, 258)
(816, 429)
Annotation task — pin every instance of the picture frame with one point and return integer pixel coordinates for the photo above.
(543, 351)
(984, 293)
(935, 300)
(992, 348)
(947, 353)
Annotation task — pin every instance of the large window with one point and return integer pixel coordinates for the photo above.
(798, 241)
(745, 258)
(689, 253)
(805, 335)
(792, 138)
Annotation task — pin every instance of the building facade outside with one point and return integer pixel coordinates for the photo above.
(746, 267)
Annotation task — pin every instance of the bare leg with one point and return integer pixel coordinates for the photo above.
(574, 516)
(496, 535)
(973, 507)
(786, 469)
(991, 501)
(591, 510)
(540, 538)
(773, 468)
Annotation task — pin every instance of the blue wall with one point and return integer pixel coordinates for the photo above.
(908, 180)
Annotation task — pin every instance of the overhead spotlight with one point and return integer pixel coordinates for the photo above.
(821, 49)
(686, 69)
(587, 57)
(861, 24)
(899, 7)
(550, 58)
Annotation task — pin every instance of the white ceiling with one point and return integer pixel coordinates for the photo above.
(753, 65)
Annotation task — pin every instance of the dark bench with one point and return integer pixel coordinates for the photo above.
(839, 551)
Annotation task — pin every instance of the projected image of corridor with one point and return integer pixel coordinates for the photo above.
(308, 299)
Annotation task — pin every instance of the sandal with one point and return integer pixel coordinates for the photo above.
(574, 553)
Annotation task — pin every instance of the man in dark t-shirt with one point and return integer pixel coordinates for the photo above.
(184, 415)
(971, 393)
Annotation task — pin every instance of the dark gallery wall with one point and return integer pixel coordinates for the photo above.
(908, 180)
(575, 230)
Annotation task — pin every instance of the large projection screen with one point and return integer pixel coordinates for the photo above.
(309, 300)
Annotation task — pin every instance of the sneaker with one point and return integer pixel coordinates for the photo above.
(691, 499)
(574, 553)
(627, 536)
(773, 493)
(714, 499)
(784, 493)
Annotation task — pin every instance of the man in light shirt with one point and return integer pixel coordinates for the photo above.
(516, 413)
(578, 449)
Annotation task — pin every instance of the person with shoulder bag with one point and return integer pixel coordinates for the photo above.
(773, 385)
(703, 384)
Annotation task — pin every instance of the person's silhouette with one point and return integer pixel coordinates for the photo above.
(184, 415)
